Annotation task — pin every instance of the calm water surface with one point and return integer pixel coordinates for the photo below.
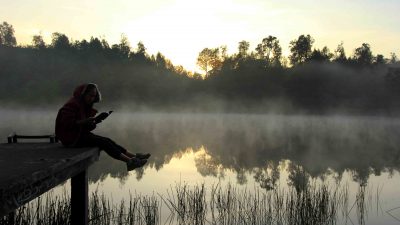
(250, 152)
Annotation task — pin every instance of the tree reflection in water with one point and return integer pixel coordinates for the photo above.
(267, 149)
(315, 146)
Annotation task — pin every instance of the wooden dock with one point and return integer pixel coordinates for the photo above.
(28, 170)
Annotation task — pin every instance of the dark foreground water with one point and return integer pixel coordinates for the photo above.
(360, 156)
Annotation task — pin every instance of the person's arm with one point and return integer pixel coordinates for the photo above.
(87, 121)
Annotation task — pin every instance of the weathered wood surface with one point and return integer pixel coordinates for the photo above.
(29, 169)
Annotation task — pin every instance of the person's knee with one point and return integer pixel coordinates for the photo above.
(104, 143)
(106, 140)
(103, 139)
(113, 153)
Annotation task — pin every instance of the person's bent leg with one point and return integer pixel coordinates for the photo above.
(129, 154)
(105, 144)
(113, 150)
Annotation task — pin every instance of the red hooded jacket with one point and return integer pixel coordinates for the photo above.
(67, 129)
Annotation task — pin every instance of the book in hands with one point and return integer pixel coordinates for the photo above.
(102, 116)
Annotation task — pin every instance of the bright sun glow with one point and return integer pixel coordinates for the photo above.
(184, 28)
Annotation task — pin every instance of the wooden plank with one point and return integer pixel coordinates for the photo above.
(29, 169)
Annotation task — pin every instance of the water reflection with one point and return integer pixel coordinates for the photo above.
(259, 145)
(256, 145)
(266, 149)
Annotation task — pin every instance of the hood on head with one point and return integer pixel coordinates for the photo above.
(81, 89)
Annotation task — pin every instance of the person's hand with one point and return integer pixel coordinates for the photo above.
(91, 120)
(87, 121)
(91, 125)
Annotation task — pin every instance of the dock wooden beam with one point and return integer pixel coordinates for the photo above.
(28, 170)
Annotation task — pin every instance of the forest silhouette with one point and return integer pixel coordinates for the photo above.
(309, 80)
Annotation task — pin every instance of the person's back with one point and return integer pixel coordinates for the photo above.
(67, 129)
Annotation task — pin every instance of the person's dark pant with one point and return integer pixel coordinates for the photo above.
(104, 143)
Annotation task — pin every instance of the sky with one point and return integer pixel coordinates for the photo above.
(180, 29)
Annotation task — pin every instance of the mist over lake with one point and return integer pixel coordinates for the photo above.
(264, 151)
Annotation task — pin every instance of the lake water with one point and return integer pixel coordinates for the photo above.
(251, 152)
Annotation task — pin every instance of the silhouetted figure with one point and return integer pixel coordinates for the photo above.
(76, 119)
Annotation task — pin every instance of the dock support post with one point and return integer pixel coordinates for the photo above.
(79, 199)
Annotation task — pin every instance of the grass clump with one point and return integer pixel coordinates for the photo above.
(316, 204)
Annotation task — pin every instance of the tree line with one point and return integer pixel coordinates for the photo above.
(309, 79)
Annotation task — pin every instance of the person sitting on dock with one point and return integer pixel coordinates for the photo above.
(76, 119)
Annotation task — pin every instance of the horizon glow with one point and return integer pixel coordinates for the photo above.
(180, 29)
